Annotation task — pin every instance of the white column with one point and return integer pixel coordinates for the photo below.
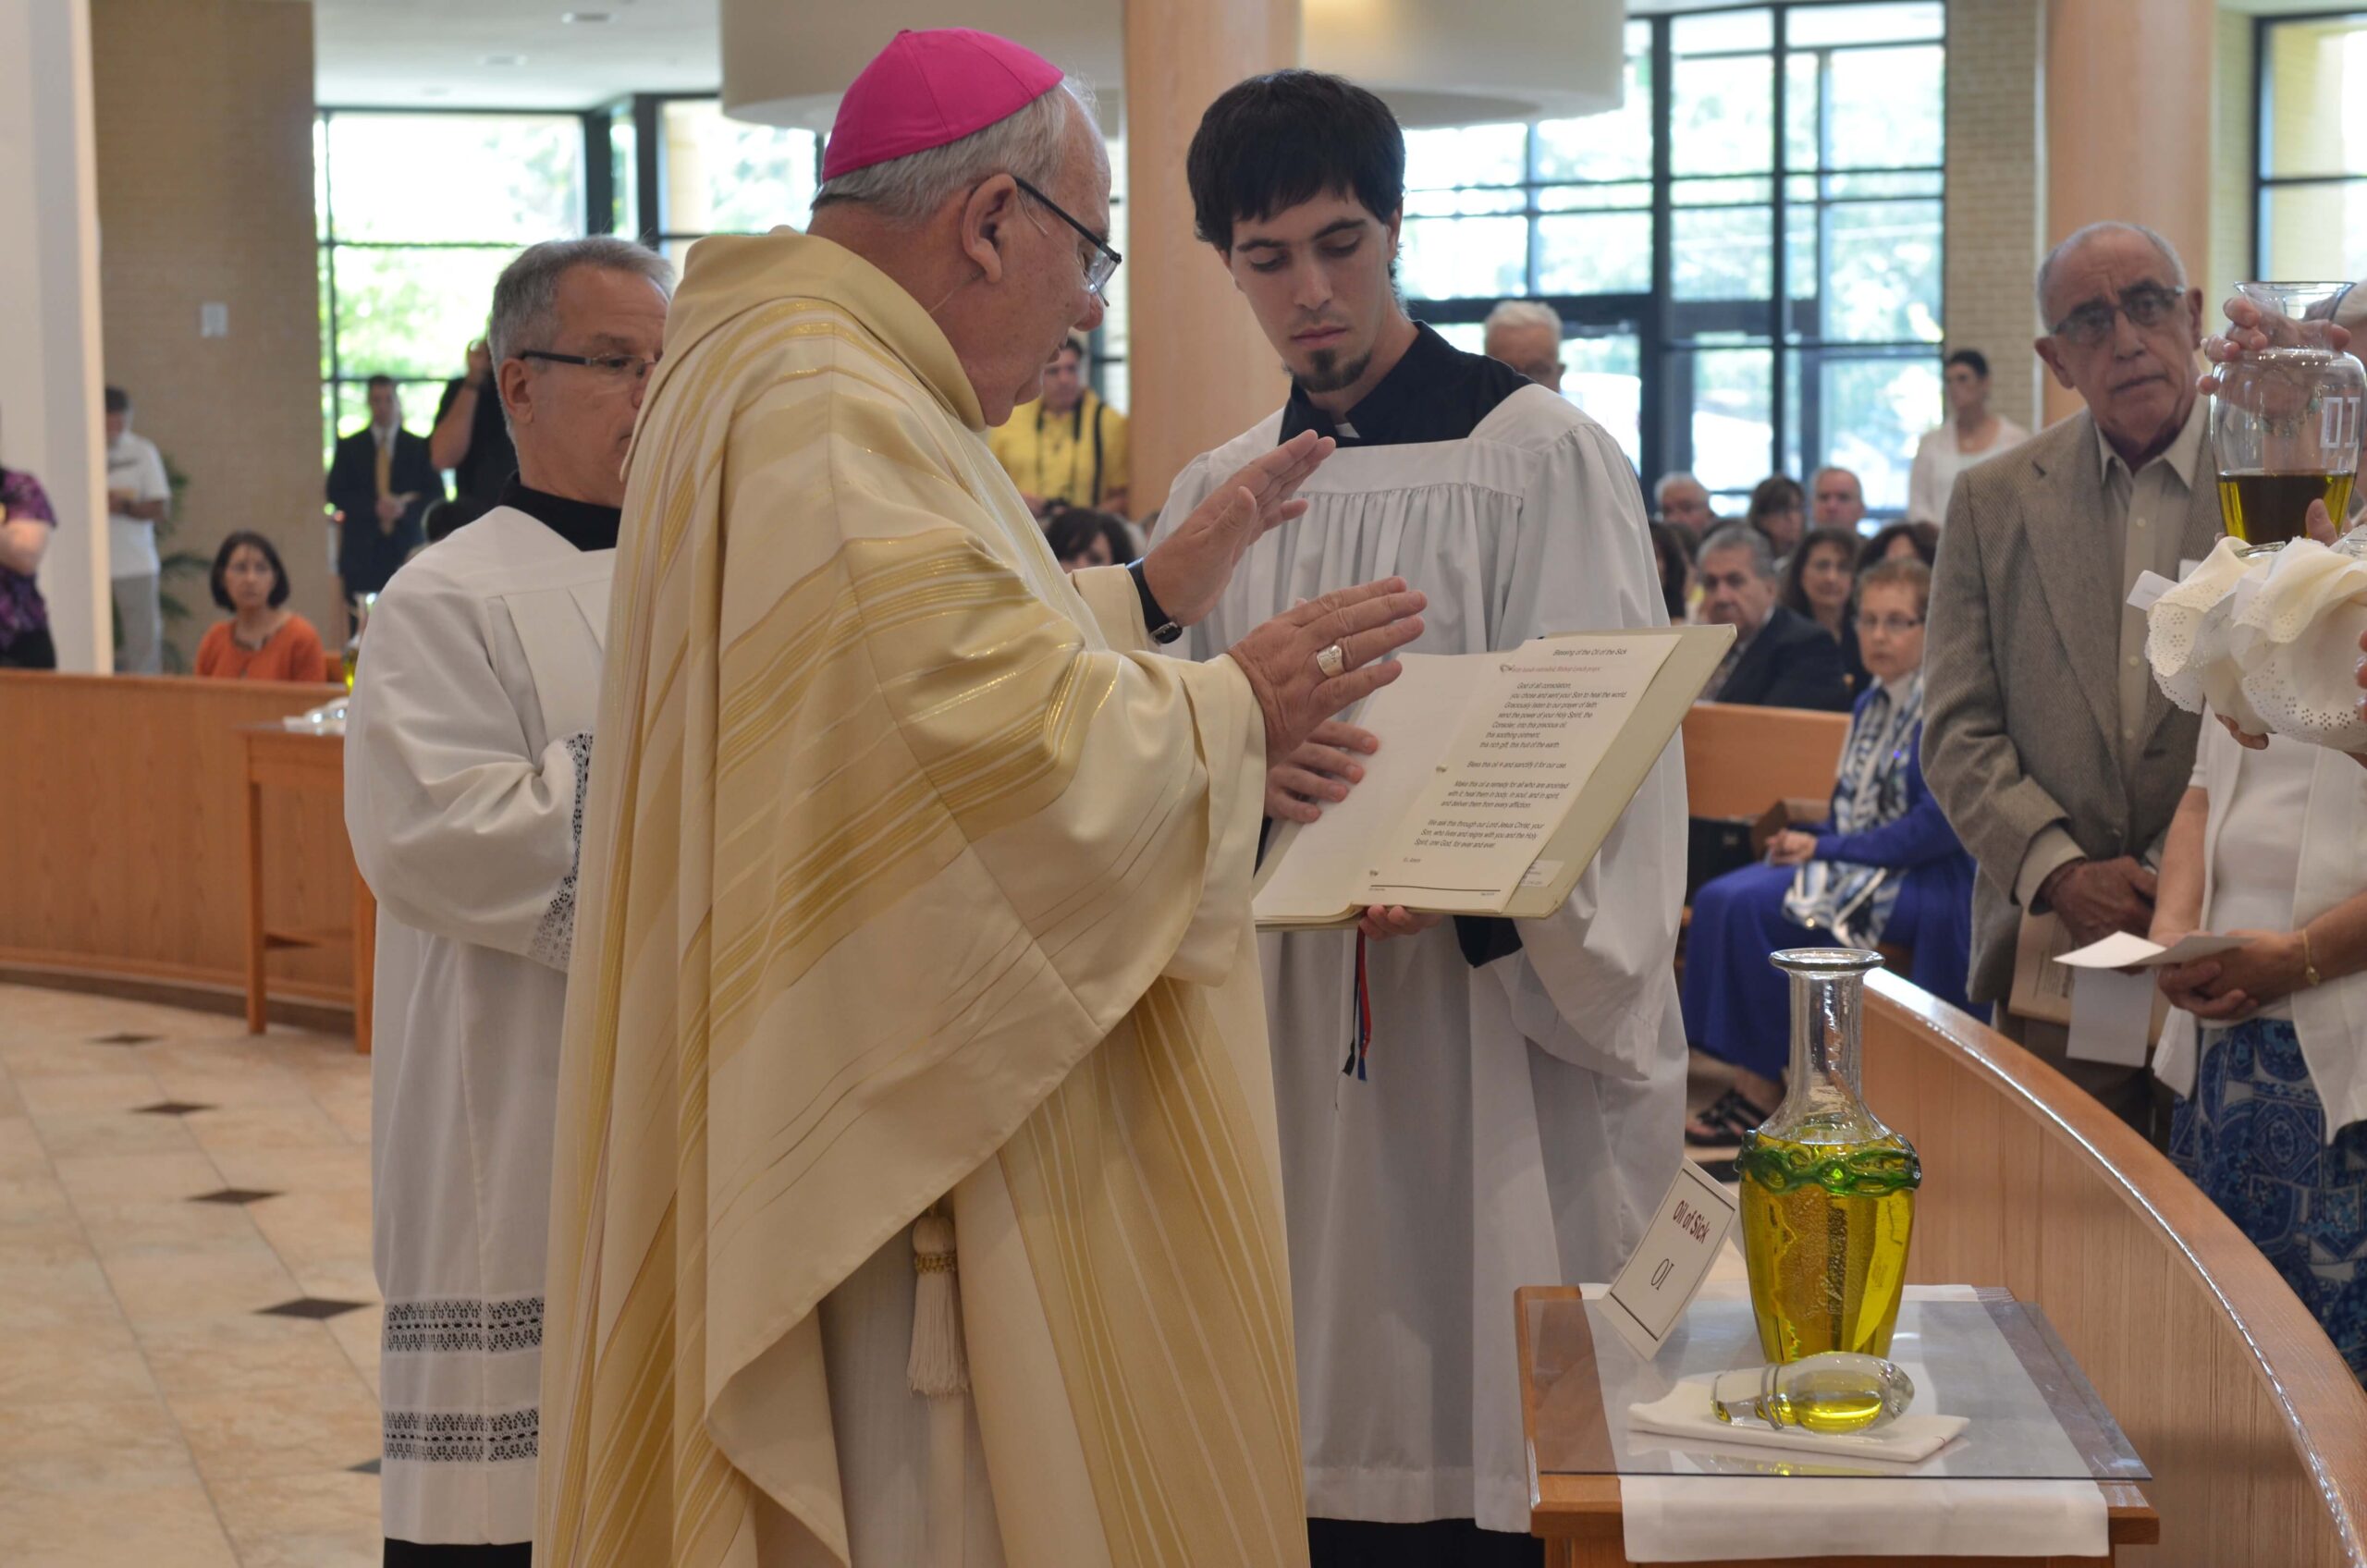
(51, 370)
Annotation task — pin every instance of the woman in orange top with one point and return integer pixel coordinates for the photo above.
(262, 641)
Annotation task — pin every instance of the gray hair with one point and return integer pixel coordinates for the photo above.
(525, 298)
(1678, 476)
(1741, 536)
(1523, 313)
(1025, 143)
(2079, 237)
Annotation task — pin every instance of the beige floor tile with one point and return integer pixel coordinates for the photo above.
(136, 1372)
(303, 1521)
(256, 1432)
(47, 1057)
(57, 1295)
(167, 1285)
(122, 1133)
(233, 1053)
(34, 1200)
(116, 1226)
(359, 1334)
(21, 1150)
(40, 1242)
(94, 1445)
(84, 1093)
(297, 1125)
(219, 1084)
(294, 1170)
(334, 1222)
(350, 1111)
(95, 1360)
(209, 1355)
(165, 1527)
(349, 1279)
(177, 1173)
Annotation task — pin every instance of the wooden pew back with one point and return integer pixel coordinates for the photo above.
(1739, 761)
(126, 852)
(2253, 1428)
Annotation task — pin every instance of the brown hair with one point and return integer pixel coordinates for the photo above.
(1796, 595)
(1909, 574)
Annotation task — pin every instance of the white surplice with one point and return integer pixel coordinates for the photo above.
(1520, 1120)
(468, 743)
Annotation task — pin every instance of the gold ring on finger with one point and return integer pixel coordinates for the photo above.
(1332, 661)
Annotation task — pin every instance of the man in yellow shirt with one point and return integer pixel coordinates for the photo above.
(1066, 446)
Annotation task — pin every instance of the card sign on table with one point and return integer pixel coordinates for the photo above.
(1664, 1274)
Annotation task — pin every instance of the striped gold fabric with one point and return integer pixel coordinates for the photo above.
(894, 867)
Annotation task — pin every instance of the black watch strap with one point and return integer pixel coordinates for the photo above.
(1162, 626)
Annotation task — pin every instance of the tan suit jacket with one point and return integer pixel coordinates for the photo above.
(2022, 724)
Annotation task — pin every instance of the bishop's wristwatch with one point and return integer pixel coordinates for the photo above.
(1162, 626)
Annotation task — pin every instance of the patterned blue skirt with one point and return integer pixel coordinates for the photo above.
(2254, 1139)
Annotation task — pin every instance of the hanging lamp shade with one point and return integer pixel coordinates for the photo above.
(1436, 62)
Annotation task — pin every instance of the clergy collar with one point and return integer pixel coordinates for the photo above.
(1436, 392)
(580, 524)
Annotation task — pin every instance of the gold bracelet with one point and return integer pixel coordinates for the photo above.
(2309, 969)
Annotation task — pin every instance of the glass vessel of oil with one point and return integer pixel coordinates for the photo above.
(1830, 1393)
(1828, 1192)
(2285, 427)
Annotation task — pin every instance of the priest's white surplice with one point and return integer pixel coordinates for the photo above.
(1520, 1118)
(467, 747)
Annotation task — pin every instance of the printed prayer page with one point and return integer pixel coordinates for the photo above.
(1535, 724)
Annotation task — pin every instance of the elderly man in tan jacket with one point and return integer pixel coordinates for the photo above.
(2055, 756)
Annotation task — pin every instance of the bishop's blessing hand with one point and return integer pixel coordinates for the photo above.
(1187, 571)
(1314, 660)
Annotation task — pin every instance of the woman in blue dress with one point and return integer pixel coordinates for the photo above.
(1886, 869)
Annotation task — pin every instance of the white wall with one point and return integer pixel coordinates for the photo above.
(50, 374)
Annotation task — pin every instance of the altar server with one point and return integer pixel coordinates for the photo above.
(467, 748)
(914, 951)
(1512, 1111)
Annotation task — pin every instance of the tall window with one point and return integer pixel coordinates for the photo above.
(710, 174)
(1795, 140)
(406, 262)
(2312, 214)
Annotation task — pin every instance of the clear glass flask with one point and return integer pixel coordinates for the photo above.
(1828, 1192)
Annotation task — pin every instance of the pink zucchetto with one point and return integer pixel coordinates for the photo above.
(927, 89)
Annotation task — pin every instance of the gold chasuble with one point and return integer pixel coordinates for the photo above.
(902, 883)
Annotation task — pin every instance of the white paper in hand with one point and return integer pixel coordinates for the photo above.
(2121, 951)
(1664, 1274)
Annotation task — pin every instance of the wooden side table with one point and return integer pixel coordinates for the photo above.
(1574, 1497)
(301, 759)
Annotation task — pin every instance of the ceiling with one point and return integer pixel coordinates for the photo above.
(434, 52)
(511, 53)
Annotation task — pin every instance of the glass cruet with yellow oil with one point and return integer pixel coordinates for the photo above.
(1828, 1192)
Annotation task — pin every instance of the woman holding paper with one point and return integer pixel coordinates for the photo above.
(2271, 844)
(1886, 868)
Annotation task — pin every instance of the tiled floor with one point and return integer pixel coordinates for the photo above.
(188, 1327)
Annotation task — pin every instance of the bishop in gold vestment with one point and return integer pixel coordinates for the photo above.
(914, 886)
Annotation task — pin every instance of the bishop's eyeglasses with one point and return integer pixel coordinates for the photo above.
(1102, 264)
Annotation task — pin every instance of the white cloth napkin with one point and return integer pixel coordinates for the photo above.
(1684, 1412)
(2268, 640)
(1717, 1518)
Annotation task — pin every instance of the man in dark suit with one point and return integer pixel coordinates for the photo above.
(381, 482)
(1780, 659)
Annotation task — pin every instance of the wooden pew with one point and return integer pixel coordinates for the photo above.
(2255, 1431)
(124, 855)
(1739, 761)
